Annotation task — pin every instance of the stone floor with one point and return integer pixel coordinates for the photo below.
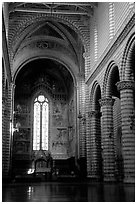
(68, 192)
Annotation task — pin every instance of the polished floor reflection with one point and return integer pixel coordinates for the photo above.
(68, 192)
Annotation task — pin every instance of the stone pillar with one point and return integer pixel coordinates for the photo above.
(107, 137)
(82, 125)
(12, 92)
(6, 146)
(81, 117)
(95, 155)
(88, 144)
(126, 89)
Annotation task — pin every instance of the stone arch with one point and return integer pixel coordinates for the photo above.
(95, 121)
(95, 87)
(57, 58)
(110, 80)
(39, 17)
(128, 60)
(111, 121)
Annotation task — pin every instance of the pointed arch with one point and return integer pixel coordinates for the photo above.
(40, 122)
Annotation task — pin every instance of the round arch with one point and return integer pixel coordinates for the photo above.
(68, 65)
(95, 90)
(95, 121)
(110, 79)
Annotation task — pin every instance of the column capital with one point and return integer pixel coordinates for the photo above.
(126, 84)
(106, 101)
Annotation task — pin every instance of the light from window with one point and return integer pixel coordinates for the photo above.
(40, 125)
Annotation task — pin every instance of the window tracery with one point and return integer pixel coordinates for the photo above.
(40, 125)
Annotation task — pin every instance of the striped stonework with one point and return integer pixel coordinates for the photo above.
(95, 41)
(126, 89)
(111, 21)
(95, 154)
(20, 28)
(82, 118)
(107, 138)
(6, 134)
(86, 56)
(88, 144)
(88, 133)
(118, 138)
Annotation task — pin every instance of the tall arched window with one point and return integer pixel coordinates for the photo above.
(40, 123)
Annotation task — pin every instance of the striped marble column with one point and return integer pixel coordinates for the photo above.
(88, 143)
(82, 121)
(88, 132)
(96, 159)
(7, 135)
(82, 117)
(126, 89)
(107, 137)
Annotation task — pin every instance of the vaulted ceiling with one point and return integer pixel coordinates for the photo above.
(37, 21)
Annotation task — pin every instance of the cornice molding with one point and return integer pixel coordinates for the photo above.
(113, 46)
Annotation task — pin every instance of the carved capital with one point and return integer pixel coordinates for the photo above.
(125, 85)
(106, 101)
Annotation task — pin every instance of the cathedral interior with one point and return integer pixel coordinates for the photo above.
(68, 101)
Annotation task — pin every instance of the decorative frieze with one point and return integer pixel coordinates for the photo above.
(125, 85)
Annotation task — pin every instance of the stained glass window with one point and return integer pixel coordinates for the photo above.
(40, 125)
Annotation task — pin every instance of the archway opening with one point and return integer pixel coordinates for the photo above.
(117, 126)
(49, 80)
(98, 133)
